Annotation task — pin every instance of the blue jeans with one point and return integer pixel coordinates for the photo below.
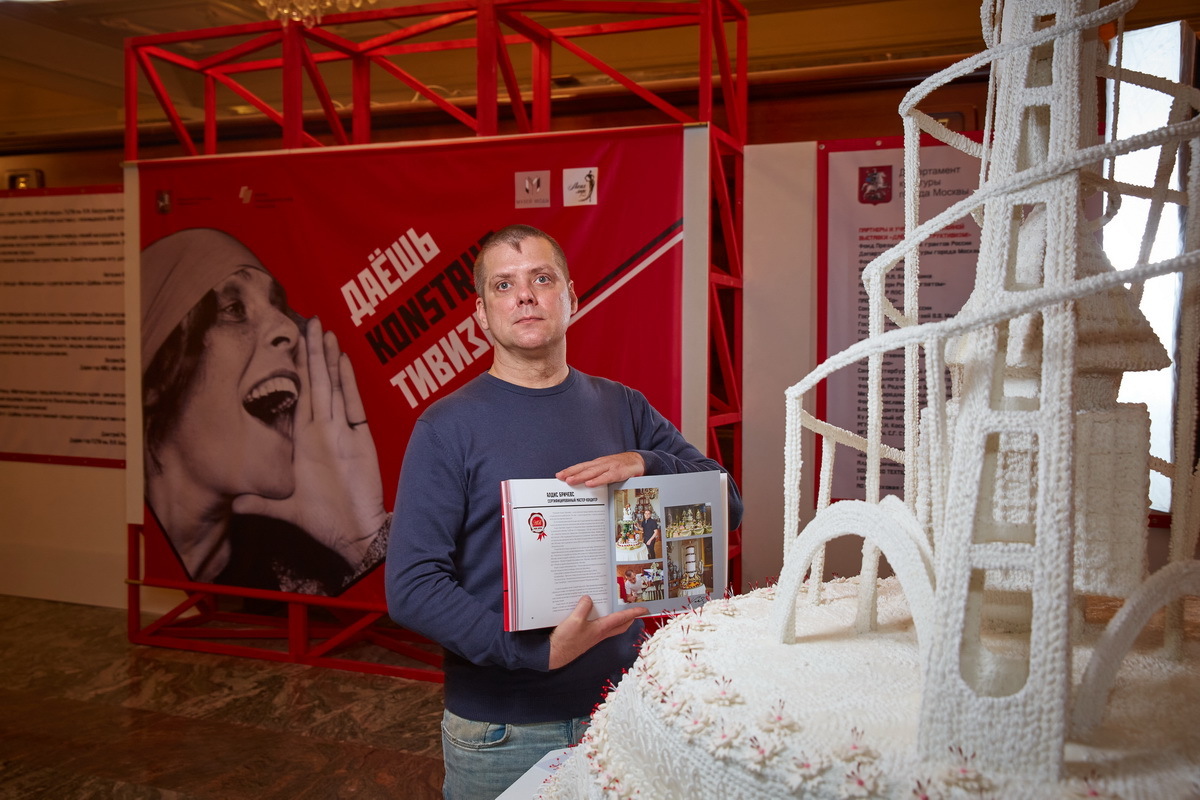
(485, 758)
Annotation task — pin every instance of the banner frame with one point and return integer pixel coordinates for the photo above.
(722, 67)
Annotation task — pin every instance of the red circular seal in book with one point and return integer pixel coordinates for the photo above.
(537, 524)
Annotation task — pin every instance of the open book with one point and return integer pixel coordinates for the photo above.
(659, 541)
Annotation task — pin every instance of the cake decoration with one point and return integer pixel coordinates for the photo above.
(990, 665)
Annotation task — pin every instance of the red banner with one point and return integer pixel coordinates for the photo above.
(378, 244)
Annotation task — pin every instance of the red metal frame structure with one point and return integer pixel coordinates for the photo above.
(495, 29)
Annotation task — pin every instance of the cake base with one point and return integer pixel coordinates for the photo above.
(714, 708)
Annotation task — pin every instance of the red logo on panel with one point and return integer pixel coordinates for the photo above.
(875, 184)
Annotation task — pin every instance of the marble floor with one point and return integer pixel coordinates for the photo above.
(85, 714)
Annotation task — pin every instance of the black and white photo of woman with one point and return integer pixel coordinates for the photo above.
(260, 466)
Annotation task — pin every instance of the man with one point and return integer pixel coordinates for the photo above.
(513, 697)
(650, 533)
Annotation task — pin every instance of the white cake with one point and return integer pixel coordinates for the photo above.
(715, 709)
(630, 547)
(982, 669)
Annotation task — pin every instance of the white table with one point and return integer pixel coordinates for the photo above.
(527, 786)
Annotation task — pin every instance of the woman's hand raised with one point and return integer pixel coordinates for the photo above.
(339, 493)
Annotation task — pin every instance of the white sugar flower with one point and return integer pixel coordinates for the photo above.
(761, 750)
(856, 750)
(725, 608)
(809, 766)
(927, 790)
(804, 769)
(863, 781)
(671, 705)
(722, 693)
(694, 667)
(723, 739)
(1090, 788)
(776, 719)
(694, 723)
(964, 776)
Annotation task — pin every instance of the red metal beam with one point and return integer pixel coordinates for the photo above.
(360, 101)
(427, 93)
(723, 349)
(513, 88)
(541, 80)
(532, 28)
(131, 101)
(421, 28)
(210, 115)
(240, 51)
(322, 91)
(164, 100)
(293, 88)
(271, 113)
(618, 7)
(486, 32)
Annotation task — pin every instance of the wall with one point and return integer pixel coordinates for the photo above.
(779, 308)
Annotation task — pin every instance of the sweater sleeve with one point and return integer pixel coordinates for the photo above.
(666, 452)
(424, 591)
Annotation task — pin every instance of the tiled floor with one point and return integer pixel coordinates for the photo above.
(84, 714)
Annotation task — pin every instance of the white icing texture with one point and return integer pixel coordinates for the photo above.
(836, 714)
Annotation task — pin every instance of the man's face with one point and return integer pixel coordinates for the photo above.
(527, 302)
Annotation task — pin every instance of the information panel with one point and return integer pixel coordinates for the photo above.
(62, 326)
(861, 217)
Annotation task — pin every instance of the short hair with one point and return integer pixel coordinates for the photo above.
(512, 236)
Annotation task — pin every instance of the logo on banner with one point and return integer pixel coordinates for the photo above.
(875, 184)
(533, 189)
(580, 186)
(162, 201)
(537, 524)
(245, 194)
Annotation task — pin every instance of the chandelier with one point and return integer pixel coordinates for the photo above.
(307, 11)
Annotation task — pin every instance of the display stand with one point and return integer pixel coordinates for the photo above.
(311, 629)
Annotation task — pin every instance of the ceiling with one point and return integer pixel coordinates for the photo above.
(61, 63)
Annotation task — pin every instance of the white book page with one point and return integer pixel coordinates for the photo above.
(560, 540)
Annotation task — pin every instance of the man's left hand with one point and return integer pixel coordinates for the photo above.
(577, 634)
(604, 470)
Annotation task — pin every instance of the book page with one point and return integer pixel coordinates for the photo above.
(558, 536)
(670, 535)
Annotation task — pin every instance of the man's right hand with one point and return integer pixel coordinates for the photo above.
(577, 634)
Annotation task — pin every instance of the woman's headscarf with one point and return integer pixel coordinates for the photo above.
(177, 271)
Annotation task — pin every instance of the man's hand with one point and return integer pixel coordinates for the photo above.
(605, 470)
(577, 634)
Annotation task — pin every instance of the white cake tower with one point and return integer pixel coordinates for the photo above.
(1028, 487)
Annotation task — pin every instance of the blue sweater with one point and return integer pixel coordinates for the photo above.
(444, 575)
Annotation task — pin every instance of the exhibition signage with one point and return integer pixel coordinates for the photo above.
(378, 244)
(62, 326)
(861, 202)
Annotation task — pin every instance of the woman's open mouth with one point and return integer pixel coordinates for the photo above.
(273, 401)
